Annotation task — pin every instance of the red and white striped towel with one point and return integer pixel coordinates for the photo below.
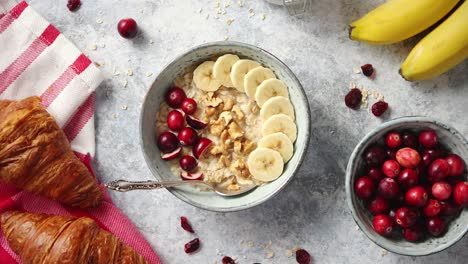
(36, 59)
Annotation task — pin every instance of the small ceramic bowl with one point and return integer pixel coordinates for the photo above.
(210, 200)
(450, 139)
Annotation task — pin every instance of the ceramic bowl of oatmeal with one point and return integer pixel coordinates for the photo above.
(230, 114)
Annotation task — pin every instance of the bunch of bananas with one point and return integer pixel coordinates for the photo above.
(397, 20)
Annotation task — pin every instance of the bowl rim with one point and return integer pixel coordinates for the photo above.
(348, 186)
(303, 98)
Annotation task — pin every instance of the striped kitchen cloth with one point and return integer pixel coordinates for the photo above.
(36, 59)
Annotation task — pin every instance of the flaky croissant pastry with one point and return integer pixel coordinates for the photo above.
(41, 238)
(35, 155)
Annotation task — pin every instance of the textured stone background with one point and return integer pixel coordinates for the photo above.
(311, 212)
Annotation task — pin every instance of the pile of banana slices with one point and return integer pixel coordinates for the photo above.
(279, 131)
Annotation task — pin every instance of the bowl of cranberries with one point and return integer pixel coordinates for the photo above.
(407, 186)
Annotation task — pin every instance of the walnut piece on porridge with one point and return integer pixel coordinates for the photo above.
(222, 160)
(239, 114)
(215, 150)
(214, 102)
(233, 187)
(237, 146)
(235, 131)
(249, 146)
(210, 111)
(217, 126)
(227, 116)
(228, 104)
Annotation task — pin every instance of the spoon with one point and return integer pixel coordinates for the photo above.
(125, 186)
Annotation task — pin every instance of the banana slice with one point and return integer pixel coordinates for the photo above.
(222, 69)
(270, 88)
(280, 123)
(203, 77)
(279, 142)
(277, 105)
(265, 164)
(254, 78)
(239, 70)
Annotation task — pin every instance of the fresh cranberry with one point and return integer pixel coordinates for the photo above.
(200, 147)
(192, 246)
(73, 5)
(388, 188)
(408, 157)
(393, 139)
(184, 223)
(435, 226)
(408, 178)
(456, 164)
(187, 136)
(460, 193)
(378, 206)
(391, 153)
(228, 260)
(127, 28)
(188, 163)
(353, 98)
(175, 96)
(383, 224)
(375, 174)
(195, 122)
(302, 256)
(391, 168)
(406, 217)
(432, 208)
(429, 155)
(375, 156)
(428, 139)
(409, 140)
(414, 233)
(364, 187)
(167, 142)
(438, 170)
(448, 208)
(441, 190)
(416, 196)
(175, 120)
(189, 106)
(379, 108)
(367, 70)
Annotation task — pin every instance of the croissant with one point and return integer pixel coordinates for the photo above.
(35, 155)
(41, 238)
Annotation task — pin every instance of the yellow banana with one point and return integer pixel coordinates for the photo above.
(442, 49)
(397, 20)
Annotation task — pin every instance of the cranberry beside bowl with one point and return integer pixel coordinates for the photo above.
(414, 202)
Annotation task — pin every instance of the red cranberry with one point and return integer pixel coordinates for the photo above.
(456, 164)
(195, 122)
(175, 120)
(184, 223)
(375, 174)
(353, 98)
(414, 233)
(127, 28)
(367, 70)
(188, 163)
(378, 206)
(302, 256)
(73, 5)
(441, 190)
(383, 224)
(438, 170)
(379, 108)
(408, 178)
(435, 226)
(460, 193)
(200, 147)
(192, 246)
(388, 188)
(429, 155)
(228, 260)
(391, 168)
(448, 208)
(175, 96)
(408, 157)
(416, 196)
(167, 142)
(375, 156)
(432, 208)
(428, 139)
(364, 187)
(406, 217)
(187, 136)
(189, 106)
(393, 140)
(391, 153)
(409, 140)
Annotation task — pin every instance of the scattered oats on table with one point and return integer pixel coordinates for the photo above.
(229, 21)
(124, 107)
(149, 74)
(226, 37)
(130, 72)
(357, 70)
(124, 83)
(270, 254)
(99, 21)
(263, 17)
(289, 253)
(93, 47)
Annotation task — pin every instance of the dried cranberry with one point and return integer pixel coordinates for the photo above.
(73, 5)
(367, 70)
(353, 98)
(228, 260)
(185, 224)
(379, 108)
(302, 256)
(192, 246)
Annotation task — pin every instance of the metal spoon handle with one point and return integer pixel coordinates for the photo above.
(125, 186)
